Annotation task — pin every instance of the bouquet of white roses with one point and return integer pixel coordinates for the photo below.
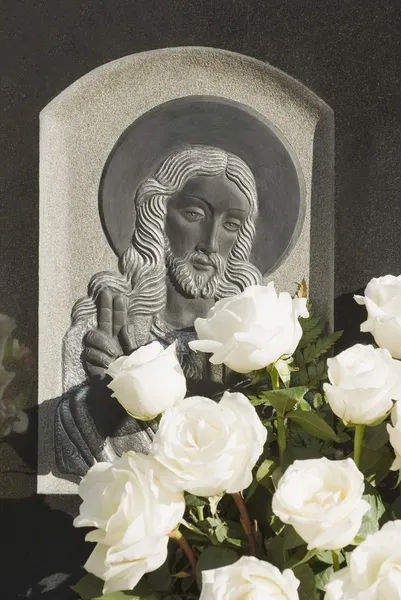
(283, 488)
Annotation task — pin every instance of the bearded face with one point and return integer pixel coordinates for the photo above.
(202, 224)
(197, 274)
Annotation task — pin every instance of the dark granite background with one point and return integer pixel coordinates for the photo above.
(348, 52)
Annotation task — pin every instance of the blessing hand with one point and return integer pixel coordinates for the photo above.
(113, 337)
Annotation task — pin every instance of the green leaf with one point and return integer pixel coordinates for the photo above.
(160, 579)
(313, 424)
(291, 538)
(213, 558)
(275, 551)
(325, 556)
(285, 400)
(395, 509)
(256, 400)
(307, 588)
(194, 501)
(276, 525)
(321, 346)
(304, 405)
(375, 437)
(193, 528)
(213, 503)
(310, 554)
(312, 328)
(264, 473)
(371, 520)
(141, 592)
(323, 577)
(187, 583)
(89, 587)
(375, 464)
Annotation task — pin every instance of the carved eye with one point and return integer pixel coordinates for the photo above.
(193, 215)
(232, 225)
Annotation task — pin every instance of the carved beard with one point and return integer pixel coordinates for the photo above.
(191, 282)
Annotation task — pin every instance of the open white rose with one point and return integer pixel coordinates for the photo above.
(148, 381)
(133, 512)
(252, 330)
(322, 500)
(383, 303)
(363, 383)
(123, 565)
(374, 571)
(208, 447)
(394, 433)
(249, 578)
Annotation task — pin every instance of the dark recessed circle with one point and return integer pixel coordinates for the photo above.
(212, 121)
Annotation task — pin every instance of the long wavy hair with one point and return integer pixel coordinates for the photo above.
(142, 265)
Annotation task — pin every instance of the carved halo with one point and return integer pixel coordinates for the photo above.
(212, 121)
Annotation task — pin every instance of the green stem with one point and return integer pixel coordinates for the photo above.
(275, 378)
(358, 442)
(280, 423)
(185, 547)
(246, 522)
(281, 438)
(336, 560)
(199, 510)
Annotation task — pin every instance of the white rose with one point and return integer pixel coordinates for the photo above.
(252, 330)
(122, 566)
(322, 500)
(249, 578)
(364, 381)
(208, 447)
(394, 433)
(374, 571)
(133, 513)
(148, 381)
(383, 304)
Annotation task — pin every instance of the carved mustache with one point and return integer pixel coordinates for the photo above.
(214, 260)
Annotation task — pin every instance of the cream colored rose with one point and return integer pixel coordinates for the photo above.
(133, 513)
(148, 381)
(252, 330)
(208, 447)
(322, 500)
(123, 565)
(383, 303)
(249, 578)
(374, 571)
(363, 383)
(394, 433)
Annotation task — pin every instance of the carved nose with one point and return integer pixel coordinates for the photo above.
(209, 243)
(208, 247)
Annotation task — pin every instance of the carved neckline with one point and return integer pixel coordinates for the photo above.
(161, 326)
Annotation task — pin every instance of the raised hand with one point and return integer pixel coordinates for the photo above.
(112, 338)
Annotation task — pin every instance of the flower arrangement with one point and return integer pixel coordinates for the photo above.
(16, 362)
(282, 489)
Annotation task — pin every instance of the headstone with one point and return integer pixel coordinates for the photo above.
(168, 179)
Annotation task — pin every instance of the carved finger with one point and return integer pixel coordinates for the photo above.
(93, 371)
(127, 339)
(119, 313)
(98, 340)
(96, 358)
(105, 312)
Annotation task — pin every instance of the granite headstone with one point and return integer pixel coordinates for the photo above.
(117, 129)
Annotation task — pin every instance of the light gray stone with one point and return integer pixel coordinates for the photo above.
(78, 130)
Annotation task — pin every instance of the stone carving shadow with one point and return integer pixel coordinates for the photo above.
(46, 464)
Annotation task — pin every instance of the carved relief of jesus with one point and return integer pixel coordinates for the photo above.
(194, 228)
